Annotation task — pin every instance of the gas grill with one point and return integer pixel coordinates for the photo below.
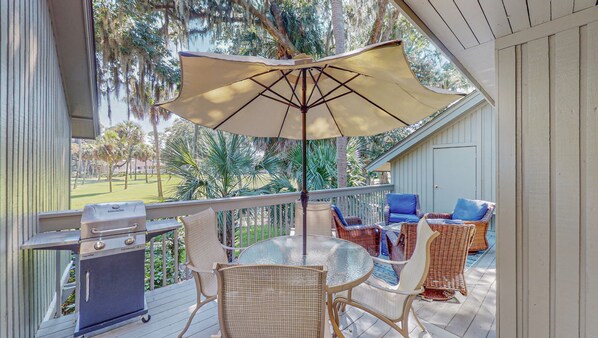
(110, 271)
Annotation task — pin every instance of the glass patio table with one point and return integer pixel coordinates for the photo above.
(348, 264)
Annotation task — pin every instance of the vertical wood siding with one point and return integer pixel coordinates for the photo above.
(413, 172)
(34, 160)
(548, 96)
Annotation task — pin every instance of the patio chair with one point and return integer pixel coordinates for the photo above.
(271, 301)
(351, 229)
(203, 250)
(476, 212)
(319, 219)
(448, 255)
(389, 303)
(402, 208)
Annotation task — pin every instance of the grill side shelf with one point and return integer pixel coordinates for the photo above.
(69, 239)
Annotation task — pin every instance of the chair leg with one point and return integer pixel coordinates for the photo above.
(417, 320)
(197, 307)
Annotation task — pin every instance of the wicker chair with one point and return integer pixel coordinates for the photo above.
(400, 208)
(319, 216)
(448, 256)
(391, 304)
(203, 250)
(368, 236)
(481, 226)
(271, 301)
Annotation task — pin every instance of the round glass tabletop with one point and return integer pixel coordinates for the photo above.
(348, 264)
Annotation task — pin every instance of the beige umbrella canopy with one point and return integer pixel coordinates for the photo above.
(364, 92)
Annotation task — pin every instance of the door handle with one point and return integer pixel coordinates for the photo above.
(87, 286)
(436, 186)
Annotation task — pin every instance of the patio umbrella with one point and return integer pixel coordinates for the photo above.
(360, 93)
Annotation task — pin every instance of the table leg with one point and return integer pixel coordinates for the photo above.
(333, 319)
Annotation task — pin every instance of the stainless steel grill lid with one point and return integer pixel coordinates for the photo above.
(104, 219)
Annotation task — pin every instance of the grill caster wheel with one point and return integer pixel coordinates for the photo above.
(144, 320)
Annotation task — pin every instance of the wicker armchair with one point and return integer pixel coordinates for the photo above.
(395, 212)
(203, 250)
(368, 236)
(448, 255)
(271, 301)
(481, 226)
(392, 304)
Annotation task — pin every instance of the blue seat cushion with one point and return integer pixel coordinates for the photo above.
(340, 215)
(469, 210)
(397, 218)
(402, 203)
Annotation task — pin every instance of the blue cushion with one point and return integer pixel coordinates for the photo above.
(402, 203)
(340, 215)
(470, 210)
(397, 218)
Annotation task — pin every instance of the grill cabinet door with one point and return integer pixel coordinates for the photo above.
(116, 287)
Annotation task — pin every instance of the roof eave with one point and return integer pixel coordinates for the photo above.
(453, 112)
(72, 24)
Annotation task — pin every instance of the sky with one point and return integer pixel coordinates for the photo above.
(119, 107)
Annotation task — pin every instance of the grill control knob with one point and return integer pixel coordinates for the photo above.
(99, 245)
(130, 240)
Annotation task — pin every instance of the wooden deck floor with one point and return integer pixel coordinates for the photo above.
(472, 316)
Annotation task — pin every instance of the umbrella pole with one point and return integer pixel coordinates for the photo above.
(304, 193)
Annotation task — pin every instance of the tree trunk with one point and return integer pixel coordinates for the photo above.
(110, 175)
(195, 137)
(78, 163)
(157, 150)
(377, 28)
(269, 26)
(146, 181)
(127, 170)
(135, 170)
(338, 30)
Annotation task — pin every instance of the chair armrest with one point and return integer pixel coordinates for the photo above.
(419, 213)
(387, 261)
(438, 215)
(231, 248)
(198, 270)
(381, 285)
(386, 214)
(353, 220)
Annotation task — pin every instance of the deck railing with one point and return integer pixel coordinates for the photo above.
(242, 221)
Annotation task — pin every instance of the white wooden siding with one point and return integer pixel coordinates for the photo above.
(412, 172)
(548, 99)
(34, 160)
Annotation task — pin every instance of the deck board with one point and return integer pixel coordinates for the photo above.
(170, 307)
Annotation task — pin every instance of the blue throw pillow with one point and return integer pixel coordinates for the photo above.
(402, 203)
(340, 215)
(470, 210)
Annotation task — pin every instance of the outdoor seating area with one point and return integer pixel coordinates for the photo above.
(170, 307)
(428, 260)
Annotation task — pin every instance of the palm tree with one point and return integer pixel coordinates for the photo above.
(226, 165)
(130, 135)
(143, 152)
(109, 149)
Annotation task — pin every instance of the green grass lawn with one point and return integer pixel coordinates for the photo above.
(96, 192)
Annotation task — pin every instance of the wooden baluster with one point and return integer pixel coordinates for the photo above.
(152, 264)
(255, 226)
(262, 217)
(280, 233)
(175, 235)
(164, 260)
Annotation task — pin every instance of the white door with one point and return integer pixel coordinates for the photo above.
(454, 176)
